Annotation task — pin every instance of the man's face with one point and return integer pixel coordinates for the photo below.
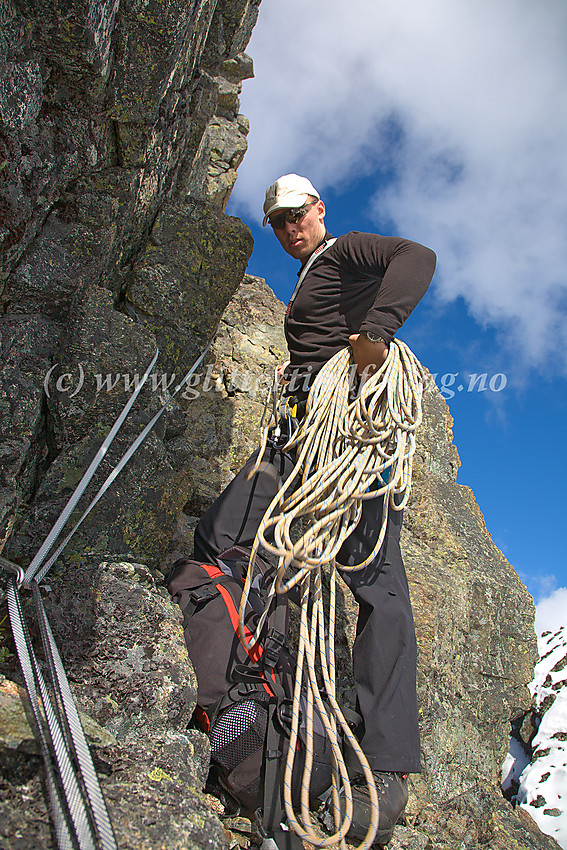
(301, 238)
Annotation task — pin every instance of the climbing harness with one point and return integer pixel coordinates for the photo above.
(79, 814)
(347, 451)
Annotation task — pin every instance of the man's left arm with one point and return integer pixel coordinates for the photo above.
(367, 355)
(407, 268)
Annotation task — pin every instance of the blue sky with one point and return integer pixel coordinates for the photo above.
(446, 123)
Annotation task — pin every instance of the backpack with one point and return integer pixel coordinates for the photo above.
(244, 698)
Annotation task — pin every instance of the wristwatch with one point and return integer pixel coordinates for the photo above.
(372, 337)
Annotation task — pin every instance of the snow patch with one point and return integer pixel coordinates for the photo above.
(542, 788)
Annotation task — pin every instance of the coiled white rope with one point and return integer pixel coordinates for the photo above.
(346, 453)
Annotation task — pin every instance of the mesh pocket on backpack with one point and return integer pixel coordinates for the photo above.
(239, 732)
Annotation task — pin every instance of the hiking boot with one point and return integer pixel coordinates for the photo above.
(392, 790)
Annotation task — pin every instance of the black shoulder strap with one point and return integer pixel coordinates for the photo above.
(285, 839)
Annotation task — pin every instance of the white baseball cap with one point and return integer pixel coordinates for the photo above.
(286, 193)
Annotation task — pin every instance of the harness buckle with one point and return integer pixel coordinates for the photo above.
(288, 422)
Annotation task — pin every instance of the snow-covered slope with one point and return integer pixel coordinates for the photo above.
(543, 782)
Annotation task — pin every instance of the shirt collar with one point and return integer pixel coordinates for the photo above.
(321, 245)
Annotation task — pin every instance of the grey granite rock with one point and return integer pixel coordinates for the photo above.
(113, 242)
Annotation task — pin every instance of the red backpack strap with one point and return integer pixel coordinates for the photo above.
(255, 653)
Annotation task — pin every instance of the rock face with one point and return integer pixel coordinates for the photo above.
(120, 136)
(119, 142)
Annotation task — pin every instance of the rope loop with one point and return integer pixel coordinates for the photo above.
(347, 451)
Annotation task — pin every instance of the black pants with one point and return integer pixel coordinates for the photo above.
(384, 651)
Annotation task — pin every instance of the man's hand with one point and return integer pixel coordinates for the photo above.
(281, 373)
(368, 356)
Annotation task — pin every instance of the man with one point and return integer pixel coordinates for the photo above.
(356, 290)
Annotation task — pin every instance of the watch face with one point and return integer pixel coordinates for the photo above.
(374, 337)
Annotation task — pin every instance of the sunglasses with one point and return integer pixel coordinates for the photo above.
(291, 216)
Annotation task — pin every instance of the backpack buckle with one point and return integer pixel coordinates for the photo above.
(272, 645)
(197, 596)
(203, 594)
(285, 716)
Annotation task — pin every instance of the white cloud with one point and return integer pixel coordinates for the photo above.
(540, 585)
(463, 102)
(551, 612)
